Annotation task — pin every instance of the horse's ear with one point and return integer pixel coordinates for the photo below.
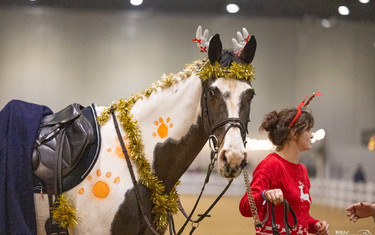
(249, 51)
(215, 49)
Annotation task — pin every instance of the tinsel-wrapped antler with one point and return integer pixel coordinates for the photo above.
(202, 40)
(242, 40)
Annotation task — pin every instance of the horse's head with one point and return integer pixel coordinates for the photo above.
(227, 94)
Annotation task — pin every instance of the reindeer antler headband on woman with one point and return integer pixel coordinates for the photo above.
(301, 106)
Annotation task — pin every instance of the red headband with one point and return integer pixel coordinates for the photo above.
(303, 105)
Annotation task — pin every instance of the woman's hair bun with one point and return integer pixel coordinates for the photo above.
(270, 121)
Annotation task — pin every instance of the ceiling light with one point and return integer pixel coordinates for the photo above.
(344, 10)
(364, 1)
(136, 2)
(232, 8)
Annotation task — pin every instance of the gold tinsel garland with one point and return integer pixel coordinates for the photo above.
(165, 202)
(64, 213)
(235, 71)
(162, 202)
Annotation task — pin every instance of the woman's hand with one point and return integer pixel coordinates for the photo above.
(322, 227)
(360, 210)
(275, 196)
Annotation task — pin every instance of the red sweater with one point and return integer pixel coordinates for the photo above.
(275, 172)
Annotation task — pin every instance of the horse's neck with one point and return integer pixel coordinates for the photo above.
(171, 128)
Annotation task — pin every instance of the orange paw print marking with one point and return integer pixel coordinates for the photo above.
(101, 188)
(118, 150)
(163, 127)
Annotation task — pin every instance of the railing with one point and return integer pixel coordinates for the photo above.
(333, 193)
(340, 193)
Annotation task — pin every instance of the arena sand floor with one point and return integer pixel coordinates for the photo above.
(226, 219)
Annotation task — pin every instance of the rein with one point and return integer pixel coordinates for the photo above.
(255, 216)
(195, 223)
(287, 208)
(131, 171)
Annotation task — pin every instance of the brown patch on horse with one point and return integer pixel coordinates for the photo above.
(128, 218)
(173, 157)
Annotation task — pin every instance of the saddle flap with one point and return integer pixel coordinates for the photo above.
(77, 137)
(63, 139)
(69, 113)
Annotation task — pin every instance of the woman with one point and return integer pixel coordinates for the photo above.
(281, 176)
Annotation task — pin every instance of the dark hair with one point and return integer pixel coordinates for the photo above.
(277, 125)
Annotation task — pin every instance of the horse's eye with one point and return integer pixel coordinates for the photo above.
(211, 93)
(251, 95)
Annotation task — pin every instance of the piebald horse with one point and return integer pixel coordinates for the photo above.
(164, 129)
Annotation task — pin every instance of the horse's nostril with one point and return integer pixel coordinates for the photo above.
(225, 159)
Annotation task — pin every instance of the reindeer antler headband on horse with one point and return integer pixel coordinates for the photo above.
(244, 50)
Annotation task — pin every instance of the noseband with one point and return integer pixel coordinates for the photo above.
(232, 121)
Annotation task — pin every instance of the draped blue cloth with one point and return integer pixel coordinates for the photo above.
(19, 124)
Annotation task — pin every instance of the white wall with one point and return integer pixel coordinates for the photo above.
(57, 57)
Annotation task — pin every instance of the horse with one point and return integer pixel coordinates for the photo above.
(164, 128)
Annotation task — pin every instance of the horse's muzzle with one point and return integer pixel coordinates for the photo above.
(231, 166)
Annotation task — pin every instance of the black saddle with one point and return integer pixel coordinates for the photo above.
(66, 149)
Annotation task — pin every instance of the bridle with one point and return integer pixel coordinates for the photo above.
(232, 121)
(214, 146)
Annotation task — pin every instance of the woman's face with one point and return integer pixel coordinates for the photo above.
(304, 140)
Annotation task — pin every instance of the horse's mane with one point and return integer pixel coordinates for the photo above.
(230, 67)
(229, 59)
(173, 78)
